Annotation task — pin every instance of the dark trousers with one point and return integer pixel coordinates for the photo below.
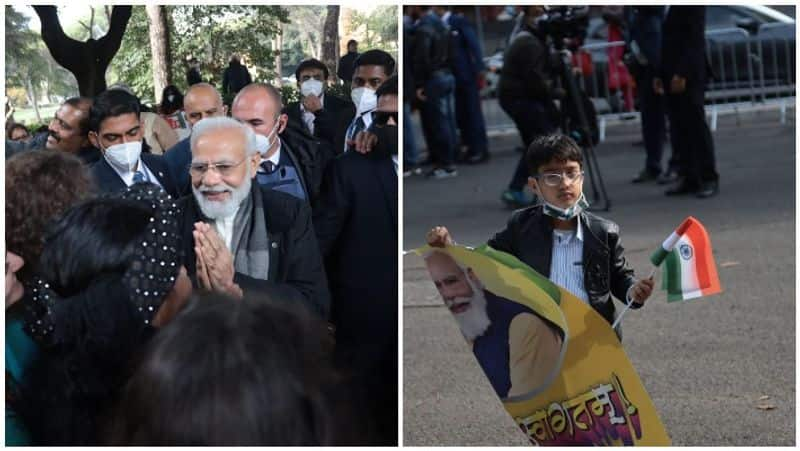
(410, 157)
(692, 144)
(532, 118)
(653, 112)
(438, 119)
(469, 116)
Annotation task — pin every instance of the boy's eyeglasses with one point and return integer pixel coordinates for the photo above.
(224, 168)
(381, 118)
(554, 178)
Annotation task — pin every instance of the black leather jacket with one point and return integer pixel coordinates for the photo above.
(529, 237)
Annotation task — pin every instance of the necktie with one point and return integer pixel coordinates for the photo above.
(357, 126)
(139, 177)
(269, 167)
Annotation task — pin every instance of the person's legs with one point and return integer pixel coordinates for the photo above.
(473, 130)
(438, 115)
(653, 125)
(410, 157)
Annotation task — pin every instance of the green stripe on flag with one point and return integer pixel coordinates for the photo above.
(658, 256)
(672, 277)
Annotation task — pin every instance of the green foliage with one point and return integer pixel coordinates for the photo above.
(379, 29)
(210, 33)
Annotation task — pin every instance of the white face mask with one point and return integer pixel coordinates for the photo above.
(364, 99)
(170, 97)
(124, 156)
(311, 87)
(264, 143)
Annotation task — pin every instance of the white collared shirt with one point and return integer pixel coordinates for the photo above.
(275, 158)
(127, 176)
(566, 267)
(308, 116)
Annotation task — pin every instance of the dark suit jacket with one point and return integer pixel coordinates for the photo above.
(529, 237)
(330, 123)
(178, 158)
(356, 224)
(107, 180)
(296, 274)
(683, 49)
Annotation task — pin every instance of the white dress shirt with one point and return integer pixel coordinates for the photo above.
(308, 116)
(127, 176)
(566, 267)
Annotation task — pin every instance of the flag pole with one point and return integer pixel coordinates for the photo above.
(630, 301)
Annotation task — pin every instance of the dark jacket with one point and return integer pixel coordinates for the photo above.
(308, 155)
(356, 223)
(346, 67)
(683, 50)
(431, 46)
(468, 58)
(296, 273)
(107, 180)
(526, 69)
(178, 158)
(529, 237)
(235, 78)
(330, 123)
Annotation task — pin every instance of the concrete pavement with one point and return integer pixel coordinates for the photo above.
(705, 363)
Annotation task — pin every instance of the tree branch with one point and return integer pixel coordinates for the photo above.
(61, 47)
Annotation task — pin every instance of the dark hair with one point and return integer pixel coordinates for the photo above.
(352, 41)
(85, 104)
(40, 186)
(376, 57)
(14, 126)
(69, 389)
(555, 147)
(311, 64)
(167, 106)
(388, 87)
(227, 372)
(90, 240)
(112, 103)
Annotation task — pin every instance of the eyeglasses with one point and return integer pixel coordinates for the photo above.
(554, 178)
(381, 118)
(224, 168)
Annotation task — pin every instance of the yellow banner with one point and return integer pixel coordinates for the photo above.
(556, 364)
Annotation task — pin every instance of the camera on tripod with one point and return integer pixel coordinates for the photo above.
(565, 22)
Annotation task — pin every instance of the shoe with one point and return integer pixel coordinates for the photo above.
(682, 189)
(442, 173)
(515, 199)
(412, 169)
(708, 189)
(645, 176)
(667, 177)
(477, 159)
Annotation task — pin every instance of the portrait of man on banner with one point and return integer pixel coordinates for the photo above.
(519, 350)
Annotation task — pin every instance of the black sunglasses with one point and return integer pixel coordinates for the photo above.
(380, 118)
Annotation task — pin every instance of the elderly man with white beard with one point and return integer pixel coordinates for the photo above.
(240, 237)
(518, 350)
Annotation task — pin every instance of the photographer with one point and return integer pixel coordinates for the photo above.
(525, 93)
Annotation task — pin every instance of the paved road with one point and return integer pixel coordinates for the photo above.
(705, 363)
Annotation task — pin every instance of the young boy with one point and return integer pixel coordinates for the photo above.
(576, 249)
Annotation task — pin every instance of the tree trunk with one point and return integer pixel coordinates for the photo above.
(330, 40)
(30, 89)
(88, 60)
(159, 49)
(277, 46)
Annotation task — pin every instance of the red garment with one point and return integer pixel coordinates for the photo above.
(618, 76)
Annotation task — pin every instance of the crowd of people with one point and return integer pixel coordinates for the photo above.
(664, 64)
(197, 274)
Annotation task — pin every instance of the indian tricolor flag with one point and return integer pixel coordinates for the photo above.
(689, 269)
